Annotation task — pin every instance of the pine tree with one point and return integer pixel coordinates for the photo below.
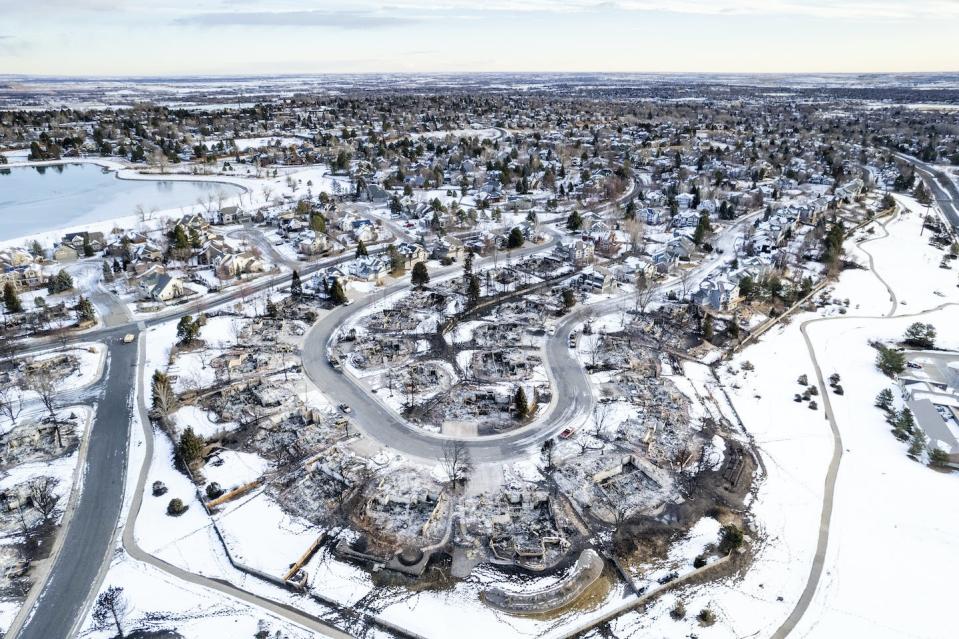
(85, 311)
(187, 330)
(190, 448)
(884, 400)
(296, 286)
(472, 290)
(515, 239)
(11, 300)
(361, 249)
(575, 221)
(420, 275)
(702, 229)
(520, 404)
(107, 272)
(337, 294)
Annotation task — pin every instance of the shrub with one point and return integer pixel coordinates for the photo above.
(176, 507)
(679, 611)
(699, 561)
(159, 488)
(706, 617)
(213, 490)
(730, 538)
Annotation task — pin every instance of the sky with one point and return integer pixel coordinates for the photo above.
(261, 37)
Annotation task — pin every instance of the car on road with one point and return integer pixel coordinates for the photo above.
(128, 338)
(345, 408)
(567, 432)
(551, 331)
(913, 365)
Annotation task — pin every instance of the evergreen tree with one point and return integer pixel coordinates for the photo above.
(884, 400)
(515, 239)
(11, 300)
(396, 260)
(920, 335)
(747, 288)
(85, 311)
(296, 286)
(420, 275)
(832, 250)
(107, 272)
(361, 249)
(575, 221)
(59, 283)
(702, 229)
(190, 447)
(472, 290)
(890, 362)
(187, 330)
(337, 294)
(318, 223)
(520, 404)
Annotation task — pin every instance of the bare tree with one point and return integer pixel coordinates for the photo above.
(593, 348)
(43, 497)
(684, 277)
(46, 385)
(644, 293)
(601, 413)
(636, 230)
(111, 609)
(11, 402)
(456, 462)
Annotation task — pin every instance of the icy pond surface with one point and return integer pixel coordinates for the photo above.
(38, 199)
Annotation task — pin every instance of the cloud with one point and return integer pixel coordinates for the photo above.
(345, 19)
(877, 9)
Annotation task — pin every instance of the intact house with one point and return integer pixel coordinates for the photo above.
(579, 252)
(717, 294)
(412, 254)
(161, 287)
(236, 264)
(312, 243)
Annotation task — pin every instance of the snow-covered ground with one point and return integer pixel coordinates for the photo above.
(64, 470)
(890, 546)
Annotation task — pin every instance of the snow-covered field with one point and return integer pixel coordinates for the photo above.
(890, 547)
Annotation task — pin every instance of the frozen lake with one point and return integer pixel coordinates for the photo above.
(38, 199)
